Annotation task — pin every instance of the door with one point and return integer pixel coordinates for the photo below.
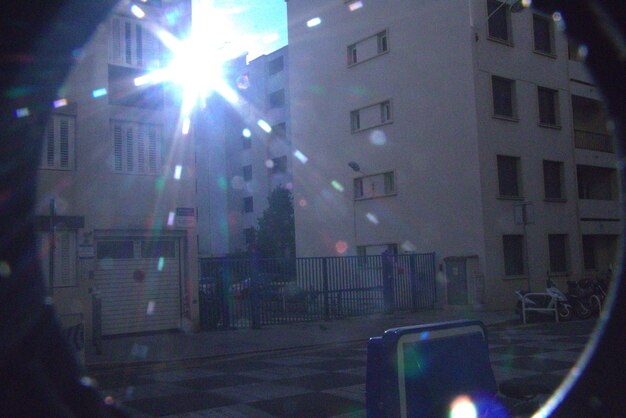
(456, 273)
(139, 284)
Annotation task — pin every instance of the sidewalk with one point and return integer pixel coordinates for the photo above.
(172, 347)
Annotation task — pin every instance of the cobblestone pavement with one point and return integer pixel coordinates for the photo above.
(323, 382)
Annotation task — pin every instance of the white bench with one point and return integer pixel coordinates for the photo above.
(540, 306)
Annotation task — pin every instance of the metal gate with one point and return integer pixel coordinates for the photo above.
(251, 292)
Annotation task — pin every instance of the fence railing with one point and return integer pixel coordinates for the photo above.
(251, 292)
(593, 141)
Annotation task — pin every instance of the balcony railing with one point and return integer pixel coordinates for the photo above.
(594, 141)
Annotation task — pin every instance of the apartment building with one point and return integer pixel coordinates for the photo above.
(468, 128)
(116, 184)
(243, 153)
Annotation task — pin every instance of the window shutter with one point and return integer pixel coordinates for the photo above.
(152, 150)
(117, 147)
(116, 41)
(128, 43)
(141, 150)
(151, 50)
(50, 143)
(139, 45)
(64, 143)
(130, 157)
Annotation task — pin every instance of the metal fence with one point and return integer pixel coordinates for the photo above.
(251, 292)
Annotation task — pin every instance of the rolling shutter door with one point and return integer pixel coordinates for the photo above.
(139, 284)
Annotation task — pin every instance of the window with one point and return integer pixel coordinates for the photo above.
(553, 180)
(371, 116)
(248, 206)
(499, 17)
(365, 250)
(115, 249)
(543, 32)
(375, 185)
(64, 261)
(275, 66)
(548, 106)
(503, 91)
(589, 252)
(279, 130)
(158, 249)
(509, 176)
(123, 91)
(382, 41)
(130, 44)
(59, 140)
(136, 147)
(247, 173)
(513, 249)
(277, 98)
(249, 235)
(279, 165)
(368, 48)
(246, 142)
(557, 244)
(596, 183)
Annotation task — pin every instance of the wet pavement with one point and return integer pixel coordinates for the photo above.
(324, 381)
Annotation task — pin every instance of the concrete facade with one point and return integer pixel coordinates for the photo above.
(237, 158)
(127, 177)
(405, 90)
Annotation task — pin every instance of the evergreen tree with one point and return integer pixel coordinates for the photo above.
(275, 235)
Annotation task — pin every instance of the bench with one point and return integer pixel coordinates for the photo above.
(544, 302)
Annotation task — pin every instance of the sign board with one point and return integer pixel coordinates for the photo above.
(185, 217)
(86, 251)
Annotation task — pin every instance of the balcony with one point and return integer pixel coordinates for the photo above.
(594, 141)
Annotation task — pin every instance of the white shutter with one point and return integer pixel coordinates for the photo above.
(130, 155)
(49, 152)
(65, 259)
(64, 142)
(115, 41)
(152, 150)
(117, 147)
(141, 149)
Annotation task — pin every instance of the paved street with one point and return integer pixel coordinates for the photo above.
(328, 381)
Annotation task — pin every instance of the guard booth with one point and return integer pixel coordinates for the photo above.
(424, 370)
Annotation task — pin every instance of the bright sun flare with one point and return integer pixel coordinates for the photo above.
(197, 60)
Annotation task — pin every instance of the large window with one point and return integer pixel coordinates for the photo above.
(277, 98)
(371, 116)
(509, 176)
(503, 91)
(543, 33)
(276, 65)
(247, 172)
(279, 165)
(596, 183)
(557, 244)
(499, 21)
(513, 249)
(131, 44)
(136, 147)
(548, 101)
(377, 185)
(553, 180)
(368, 48)
(59, 142)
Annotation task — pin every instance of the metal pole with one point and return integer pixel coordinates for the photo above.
(526, 249)
(52, 247)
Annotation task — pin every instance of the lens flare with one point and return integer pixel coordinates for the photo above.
(264, 125)
(300, 156)
(313, 22)
(463, 407)
(246, 133)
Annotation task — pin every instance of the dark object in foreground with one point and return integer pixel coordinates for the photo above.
(429, 370)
